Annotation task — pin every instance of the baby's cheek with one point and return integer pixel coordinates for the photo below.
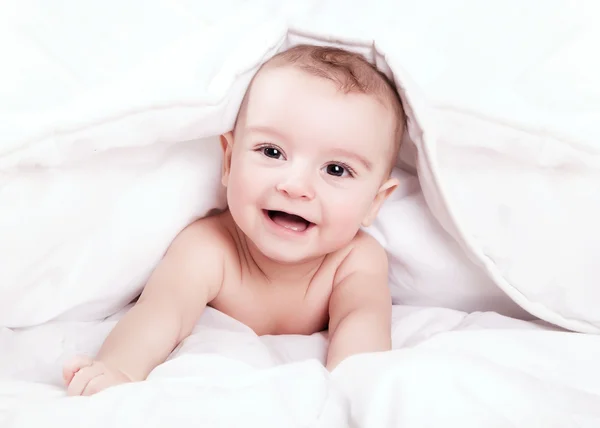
(237, 196)
(242, 181)
(347, 217)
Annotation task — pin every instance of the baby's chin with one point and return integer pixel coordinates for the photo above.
(287, 256)
(291, 254)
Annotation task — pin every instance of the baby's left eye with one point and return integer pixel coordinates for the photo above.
(271, 152)
(337, 170)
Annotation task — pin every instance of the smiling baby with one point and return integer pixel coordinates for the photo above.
(306, 166)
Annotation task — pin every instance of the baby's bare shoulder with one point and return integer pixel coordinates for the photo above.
(210, 233)
(361, 281)
(191, 272)
(363, 254)
(364, 242)
(199, 252)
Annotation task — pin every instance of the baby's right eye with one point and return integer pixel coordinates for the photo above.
(272, 152)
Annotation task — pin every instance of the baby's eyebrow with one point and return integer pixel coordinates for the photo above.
(266, 130)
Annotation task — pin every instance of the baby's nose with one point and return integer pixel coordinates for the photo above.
(297, 187)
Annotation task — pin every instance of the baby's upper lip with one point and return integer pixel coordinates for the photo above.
(307, 218)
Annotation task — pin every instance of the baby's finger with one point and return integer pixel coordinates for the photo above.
(83, 377)
(97, 384)
(72, 366)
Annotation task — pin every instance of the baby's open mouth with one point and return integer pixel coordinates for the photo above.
(289, 221)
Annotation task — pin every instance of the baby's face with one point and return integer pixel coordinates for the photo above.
(307, 164)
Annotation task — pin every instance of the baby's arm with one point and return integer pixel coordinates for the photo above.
(188, 277)
(360, 306)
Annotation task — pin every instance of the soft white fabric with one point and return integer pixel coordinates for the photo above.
(485, 371)
(448, 368)
(427, 266)
(527, 206)
(95, 179)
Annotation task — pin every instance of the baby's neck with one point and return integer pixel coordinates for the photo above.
(275, 271)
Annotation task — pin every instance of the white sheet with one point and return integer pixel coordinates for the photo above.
(448, 369)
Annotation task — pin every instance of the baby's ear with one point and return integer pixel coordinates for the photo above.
(386, 189)
(227, 146)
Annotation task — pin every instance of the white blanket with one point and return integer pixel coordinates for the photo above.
(448, 369)
(108, 117)
(96, 176)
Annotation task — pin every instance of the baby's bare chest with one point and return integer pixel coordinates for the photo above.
(277, 308)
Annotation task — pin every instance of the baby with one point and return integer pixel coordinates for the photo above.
(307, 164)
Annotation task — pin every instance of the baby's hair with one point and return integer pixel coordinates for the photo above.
(351, 72)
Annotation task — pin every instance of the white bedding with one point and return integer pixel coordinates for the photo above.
(449, 368)
(108, 117)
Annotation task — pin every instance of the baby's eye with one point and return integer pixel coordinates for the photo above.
(337, 170)
(272, 152)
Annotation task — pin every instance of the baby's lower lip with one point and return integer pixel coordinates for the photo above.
(268, 218)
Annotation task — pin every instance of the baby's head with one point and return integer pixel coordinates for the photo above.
(309, 160)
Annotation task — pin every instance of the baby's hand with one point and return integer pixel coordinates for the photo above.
(84, 376)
